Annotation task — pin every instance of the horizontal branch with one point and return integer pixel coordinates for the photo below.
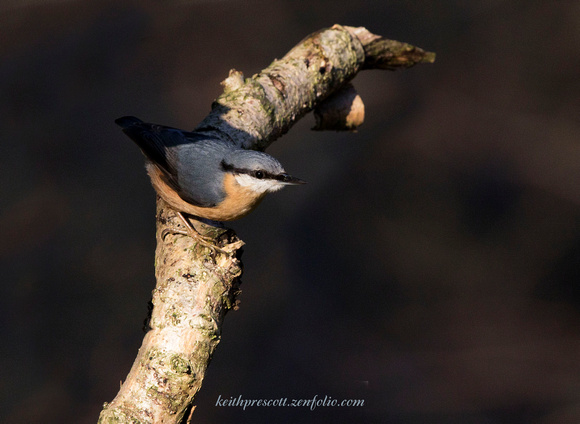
(254, 112)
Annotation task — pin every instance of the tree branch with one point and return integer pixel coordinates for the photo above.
(197, 285)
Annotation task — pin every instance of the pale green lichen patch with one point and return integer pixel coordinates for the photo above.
(205, 326)
(206, 318)
(174, 316)
(167, 362)
(180, 365)
(174, 378)
(153, 355)
(116, 416)
(201, 358)
(174, 385)
(227, 301)
(172, 401)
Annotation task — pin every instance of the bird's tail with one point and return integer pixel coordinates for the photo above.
(127, 121)
(151, 139)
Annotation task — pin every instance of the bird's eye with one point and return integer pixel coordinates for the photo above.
(259, 175)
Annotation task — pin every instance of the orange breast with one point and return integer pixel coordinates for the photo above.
(239, 200)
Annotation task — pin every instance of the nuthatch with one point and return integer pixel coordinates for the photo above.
(203, 176)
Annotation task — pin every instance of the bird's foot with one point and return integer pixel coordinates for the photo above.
(206, 241)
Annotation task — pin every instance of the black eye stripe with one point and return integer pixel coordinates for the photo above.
(260, 174)
(257, 173)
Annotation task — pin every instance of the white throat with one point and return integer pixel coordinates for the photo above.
(257, 185)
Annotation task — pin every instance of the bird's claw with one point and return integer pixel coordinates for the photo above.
(208, 242)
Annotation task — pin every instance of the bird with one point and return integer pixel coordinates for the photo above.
(202, 175)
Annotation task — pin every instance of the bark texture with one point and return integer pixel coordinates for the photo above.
(197, 284)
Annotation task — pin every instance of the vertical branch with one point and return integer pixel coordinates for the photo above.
(196, 286)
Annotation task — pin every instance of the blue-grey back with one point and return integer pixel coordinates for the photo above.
(199, 172)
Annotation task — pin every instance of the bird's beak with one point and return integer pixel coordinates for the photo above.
(289, 180)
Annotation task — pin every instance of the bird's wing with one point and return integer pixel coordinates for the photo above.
(159, 144)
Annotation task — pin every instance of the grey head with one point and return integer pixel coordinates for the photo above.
(257, 171)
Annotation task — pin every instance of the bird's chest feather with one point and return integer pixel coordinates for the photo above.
(239, 200)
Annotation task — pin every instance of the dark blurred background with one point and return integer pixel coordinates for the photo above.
(430, 266)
